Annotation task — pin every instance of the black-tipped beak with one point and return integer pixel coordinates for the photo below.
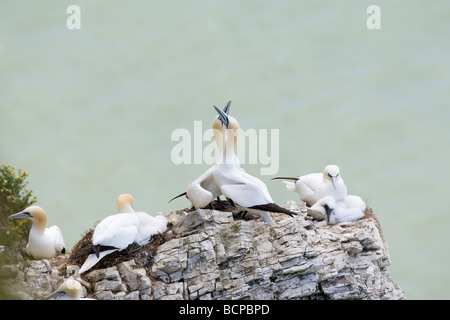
(227, 108)
(20, 215)
(333, 180)
(223, 117)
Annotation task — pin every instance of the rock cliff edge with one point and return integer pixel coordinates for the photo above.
(209, 254)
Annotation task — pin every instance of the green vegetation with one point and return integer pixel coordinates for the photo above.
(13, 198)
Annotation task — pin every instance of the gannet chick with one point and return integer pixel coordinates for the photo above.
(149, 226)
(43, 243)
(315, 186)
(246, 191)
(68, 290)
(115, 232)
(349, 208)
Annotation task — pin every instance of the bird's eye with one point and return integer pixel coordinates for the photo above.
(330, 175)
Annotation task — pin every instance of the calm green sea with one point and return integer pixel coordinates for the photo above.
(89, 113)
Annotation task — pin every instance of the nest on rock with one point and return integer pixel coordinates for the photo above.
(142, 255)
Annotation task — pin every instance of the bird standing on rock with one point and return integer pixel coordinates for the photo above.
(203, 190)
(244, 190)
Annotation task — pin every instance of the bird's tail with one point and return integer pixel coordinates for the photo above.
(290, 186)
(93, 250)
(272, 207)
(92, 260)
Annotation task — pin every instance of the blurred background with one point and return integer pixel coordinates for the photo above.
(89, 113)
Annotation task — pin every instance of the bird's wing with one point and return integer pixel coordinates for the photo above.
(119, 230)
(204, 189)
(57, 236)
(245, 195)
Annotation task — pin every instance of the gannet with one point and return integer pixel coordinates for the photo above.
(68, 290)
(203, 190)
(315, 186)
(349, 208)
(149, 225)
(43, 243)
(247, 192)
(115, 232)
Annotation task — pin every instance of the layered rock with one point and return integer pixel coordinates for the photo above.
(208, 254)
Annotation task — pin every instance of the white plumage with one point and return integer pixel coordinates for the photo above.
(313, 187)
(245, 190)
(203, 190)
(118, 231)
(149, 226)
(115, 232)
(68, 290)
(43, 243)
(349, 208)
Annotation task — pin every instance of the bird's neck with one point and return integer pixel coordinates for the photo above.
(38, 226)
(125, 208)
(226, 143)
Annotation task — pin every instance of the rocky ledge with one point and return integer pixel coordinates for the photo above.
(209, 254)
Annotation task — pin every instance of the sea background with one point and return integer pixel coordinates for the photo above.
(89, 113)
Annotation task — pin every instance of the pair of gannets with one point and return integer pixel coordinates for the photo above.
(43, 242)
(227, 178)
(118, 231)
(68, 290)
(326, 195)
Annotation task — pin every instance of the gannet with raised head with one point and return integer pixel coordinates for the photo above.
(115, 232)
(350, 208)
(68, 290)
(203, 190)
(315, 186)
(246, 191)
(149, 226)
(43, 243)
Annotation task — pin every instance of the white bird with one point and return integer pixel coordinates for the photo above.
(315, 186)
(247, 192)
(68, 290)
(43, 243)
(115, 232)
(149, 226)
(203, 190)
(349, 208)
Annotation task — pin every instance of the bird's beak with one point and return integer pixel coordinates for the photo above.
(284, 178)
(20, 215)
(223, 117)
(227, 108)
(329, 212)
(56, 294)
(333, 179)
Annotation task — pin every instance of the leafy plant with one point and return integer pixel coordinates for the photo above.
(13, 198)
